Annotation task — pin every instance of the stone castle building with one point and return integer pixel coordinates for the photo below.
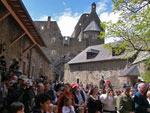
(20, 41)
(61, 49)
(40, 48)
(97, 62)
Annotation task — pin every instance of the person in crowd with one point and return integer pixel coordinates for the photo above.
(140, 100)
(40, 88)
(108, 85)
(68, 108)
(118, 93)
(3, 92)
(135, 88)
(125, 103)
(148, 97)
(2, 66)
(59, 89)
(131, 94)
(50, 110)
(42, 103)
(55, 109)
(67, 93)
(109, 101)
(79, 97)
(51, 92)
(81, 110)
(16, 107)
(94, 104)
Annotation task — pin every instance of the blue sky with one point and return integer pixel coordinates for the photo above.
(67, 12)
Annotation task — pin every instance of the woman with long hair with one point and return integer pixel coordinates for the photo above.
(94, 104)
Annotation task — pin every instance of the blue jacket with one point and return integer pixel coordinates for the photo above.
(141, 103)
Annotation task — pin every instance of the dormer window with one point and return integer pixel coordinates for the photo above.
(92, 53)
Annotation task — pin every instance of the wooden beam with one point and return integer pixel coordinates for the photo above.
(4, 15)
(19, 37)
(18, 20)
(28, 48)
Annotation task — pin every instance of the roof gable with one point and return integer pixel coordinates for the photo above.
(92, 27)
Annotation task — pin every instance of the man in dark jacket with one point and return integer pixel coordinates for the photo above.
(141, 103)
(42, 103)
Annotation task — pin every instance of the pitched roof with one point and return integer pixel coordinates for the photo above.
(20, 13)
(103, 55)
(131, 71)
(92, 27)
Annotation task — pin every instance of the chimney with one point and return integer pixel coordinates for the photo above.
(48, 22)
(93, 9)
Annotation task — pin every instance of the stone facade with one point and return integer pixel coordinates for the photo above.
(92, 72)
(33, 62)
(61, 49)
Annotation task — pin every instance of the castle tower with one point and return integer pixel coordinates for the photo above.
(93, 8)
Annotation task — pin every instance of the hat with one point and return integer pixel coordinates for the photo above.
(126, 86)
(107, 82)
(23, 77)
(12, 82)
(73, 85)
(141, 79)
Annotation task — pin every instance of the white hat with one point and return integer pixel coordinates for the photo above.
(141, 79)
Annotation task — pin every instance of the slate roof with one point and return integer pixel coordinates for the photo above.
(131, 71)
(103, 55)
(92, 27)
(84, 21)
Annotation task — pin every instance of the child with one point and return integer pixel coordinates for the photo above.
(55, 109)
(81, 110)
(50, 110)
(68, 108)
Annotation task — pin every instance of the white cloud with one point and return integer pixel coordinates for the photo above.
(101, 7)
(109, 16)
(67, 22)
(44, 18)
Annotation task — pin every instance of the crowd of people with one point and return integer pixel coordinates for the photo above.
(19, 94)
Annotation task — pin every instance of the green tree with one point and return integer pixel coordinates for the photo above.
(132, 27)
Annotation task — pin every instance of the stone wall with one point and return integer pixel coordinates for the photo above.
(30, 62)
(92, 72)
(39, 65)
(9, 30)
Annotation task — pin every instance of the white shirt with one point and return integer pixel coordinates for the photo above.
(109, 102)
(148, 100)
(66, 109)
